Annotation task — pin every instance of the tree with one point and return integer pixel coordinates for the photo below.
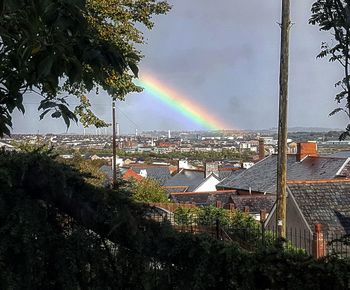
(334, 16)
(60, 232)
(89, 169)
(148, 190)
(62, 48)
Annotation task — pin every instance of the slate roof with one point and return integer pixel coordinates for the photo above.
(315, 168)
(341, 154)
(226, 173)
(254, 202)
(186, 177)
(159, 173)
(171, 189)
(262, 176)
(106, 169)
(325, 202)
(204, 198)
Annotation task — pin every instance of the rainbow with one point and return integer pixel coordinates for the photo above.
(191, 110)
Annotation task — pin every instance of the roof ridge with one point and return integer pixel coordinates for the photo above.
(326, 157)
(147, 166)
(198, 170)
(254, 195)
(229, 168)
(205, 192)
(174, 186)
(338, 180)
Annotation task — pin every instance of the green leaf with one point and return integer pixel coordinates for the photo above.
(134, 69)
(45, 66)
(56, 114)
(46, 104)
(337, 110)
(44, 113)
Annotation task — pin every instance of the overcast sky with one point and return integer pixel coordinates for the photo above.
(224, 55)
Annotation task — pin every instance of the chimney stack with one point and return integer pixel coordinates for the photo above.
(261, 149)
(211, 167)
(306, 149)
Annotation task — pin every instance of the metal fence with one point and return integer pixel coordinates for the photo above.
(256, 235)
(337, 244)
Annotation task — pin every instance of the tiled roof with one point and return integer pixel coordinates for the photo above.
(224, 173)
(315, 168)
(341, 154)
(324, 202)
(259, 177)
(345, 171)
(255, 203)
(107, 170)
(131, 174)
(170, 189)
(262, 176)
(186, 177)
(159, 173)
(204, 198)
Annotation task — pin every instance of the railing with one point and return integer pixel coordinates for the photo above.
(255, 236)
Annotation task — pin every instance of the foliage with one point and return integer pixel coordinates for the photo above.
(148, 190)
(42, 247)
(90, 169)
(46, 244)
(194, 155)
(210, 215)
(36, 147)
(185, 215)
(58, 48)
(333, 15)
(240, 227)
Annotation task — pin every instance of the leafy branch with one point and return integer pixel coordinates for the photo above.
(334, 16)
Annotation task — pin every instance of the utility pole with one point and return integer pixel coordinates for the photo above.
(282, 123)
(114, 161)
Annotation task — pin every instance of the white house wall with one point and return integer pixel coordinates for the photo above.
(208, 185)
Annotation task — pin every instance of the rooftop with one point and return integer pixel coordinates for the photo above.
(325, 201)
(262, 176)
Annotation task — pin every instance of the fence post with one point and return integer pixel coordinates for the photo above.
(318, 243)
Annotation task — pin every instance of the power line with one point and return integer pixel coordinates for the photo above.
(126, 116)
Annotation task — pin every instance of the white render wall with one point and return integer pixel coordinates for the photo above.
(208, 185)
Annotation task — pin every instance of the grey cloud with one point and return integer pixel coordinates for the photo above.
(224, 55)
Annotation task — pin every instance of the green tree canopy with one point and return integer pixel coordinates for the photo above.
(334, 16)
(61, 48)
(148, 190)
